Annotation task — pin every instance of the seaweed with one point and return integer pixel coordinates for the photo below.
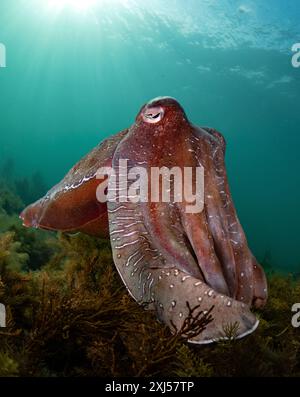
(10, 203)
(68, 314)
(38, 246)
(17, 191)
(30, 189)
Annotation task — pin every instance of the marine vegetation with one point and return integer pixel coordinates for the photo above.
(68, 314)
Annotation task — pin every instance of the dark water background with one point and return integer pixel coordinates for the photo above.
(76, 75)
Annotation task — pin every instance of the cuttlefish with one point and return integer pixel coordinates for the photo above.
(169, 259)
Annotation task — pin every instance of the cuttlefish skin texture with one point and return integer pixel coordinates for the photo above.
(165, 255)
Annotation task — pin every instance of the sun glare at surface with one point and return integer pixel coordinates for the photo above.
(76, 5)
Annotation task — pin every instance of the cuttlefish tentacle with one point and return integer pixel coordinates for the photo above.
(222, 219)
(163, 221)
(235, 235)
(143, 270)
(197, 225)
(251, 280)
(259, 285)
(218, 224)
(175, 288)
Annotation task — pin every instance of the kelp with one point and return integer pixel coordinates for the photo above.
(69, 314)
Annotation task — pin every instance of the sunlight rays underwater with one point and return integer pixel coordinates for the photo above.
(79, 72)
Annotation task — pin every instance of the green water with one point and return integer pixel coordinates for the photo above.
(74, 76)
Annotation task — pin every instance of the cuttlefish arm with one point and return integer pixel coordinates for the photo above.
(72, 205)
(245, 277)
(165, 256)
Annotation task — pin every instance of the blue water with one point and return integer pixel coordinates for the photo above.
(76, 74)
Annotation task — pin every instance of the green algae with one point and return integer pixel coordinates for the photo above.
(68, 314)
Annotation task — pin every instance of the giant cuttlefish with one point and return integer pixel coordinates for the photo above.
(170, 259)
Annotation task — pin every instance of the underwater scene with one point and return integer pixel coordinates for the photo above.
(149, 188)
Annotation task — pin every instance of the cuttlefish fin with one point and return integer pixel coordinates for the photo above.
(72, 205)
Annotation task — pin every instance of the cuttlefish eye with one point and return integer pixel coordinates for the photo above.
(153, 115)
